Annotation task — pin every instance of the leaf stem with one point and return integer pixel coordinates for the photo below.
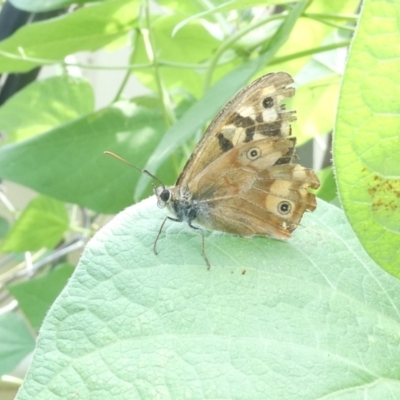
(149, 42)
(308, 52)
(128, 70)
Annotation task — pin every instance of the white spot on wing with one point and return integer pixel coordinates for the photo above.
(270, 115)
(247, 112)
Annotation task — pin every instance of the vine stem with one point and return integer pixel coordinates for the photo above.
(149, 43)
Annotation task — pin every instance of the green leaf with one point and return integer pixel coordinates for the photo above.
(36, 296)
(367, 145)
(68, 163)
(36, 109)
(307, 318)
(41, 224)
(47, 42)
(16, 342)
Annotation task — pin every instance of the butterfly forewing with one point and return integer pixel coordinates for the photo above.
(254, 113)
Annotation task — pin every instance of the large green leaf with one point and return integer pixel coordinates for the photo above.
(367, 139)
(68, 162)
(89, 28)
(311, 317)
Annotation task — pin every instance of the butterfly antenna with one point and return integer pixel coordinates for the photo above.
(144, 171)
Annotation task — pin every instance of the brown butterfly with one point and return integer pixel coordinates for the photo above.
(242, 177)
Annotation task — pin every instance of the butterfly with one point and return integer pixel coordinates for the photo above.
(242, 177)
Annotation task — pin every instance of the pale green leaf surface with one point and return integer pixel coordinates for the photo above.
(42, 105)
(16, 342)
(89, 28)
(42, 224)
(367, 139)
(68, 162)
(35, 296)
(308, 318)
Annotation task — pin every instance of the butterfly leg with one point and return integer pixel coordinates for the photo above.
(160, 230)
(203, 246)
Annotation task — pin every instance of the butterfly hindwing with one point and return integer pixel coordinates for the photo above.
(254, 189)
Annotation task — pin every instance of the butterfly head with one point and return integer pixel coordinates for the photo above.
(179, 201)
(163, 194)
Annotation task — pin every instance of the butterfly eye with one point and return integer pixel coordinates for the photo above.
(268, 102)
(165, 195)
(284, 207)
(253, 153)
